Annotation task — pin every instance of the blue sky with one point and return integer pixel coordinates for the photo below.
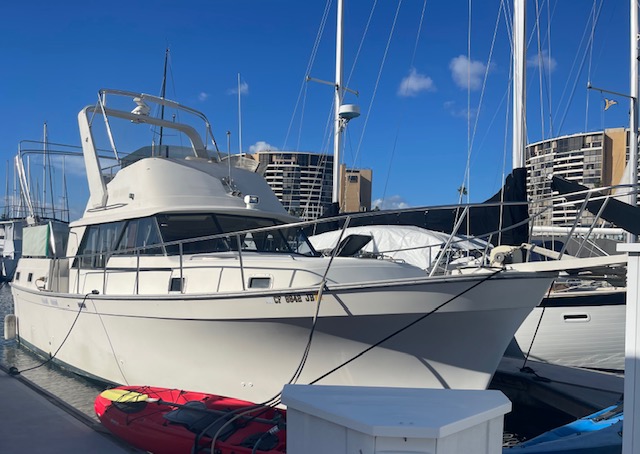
(414, 89)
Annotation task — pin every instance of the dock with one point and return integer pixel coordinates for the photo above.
(33, 420)
(573, 391)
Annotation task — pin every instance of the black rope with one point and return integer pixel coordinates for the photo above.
(14, 370)
(275, 400)
(395, 333)
(535, 334)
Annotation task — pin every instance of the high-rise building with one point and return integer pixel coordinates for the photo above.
(303, 182)
(593, 159)
(355, 189)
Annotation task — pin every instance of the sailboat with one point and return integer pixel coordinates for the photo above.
(582, 327)
(28, 210)
(585, 327)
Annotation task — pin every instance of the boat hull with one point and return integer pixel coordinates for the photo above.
(445, 332)
(578, 329)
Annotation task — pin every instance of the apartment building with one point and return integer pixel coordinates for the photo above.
(303, 182)
(593, 159)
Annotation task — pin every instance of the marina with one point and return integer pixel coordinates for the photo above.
(533, 399)
(194, 306)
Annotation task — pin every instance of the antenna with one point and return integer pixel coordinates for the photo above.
(229, 153)
(44, 170)
(162, 94)
(239, 117)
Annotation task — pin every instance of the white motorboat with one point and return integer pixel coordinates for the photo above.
(187, 272)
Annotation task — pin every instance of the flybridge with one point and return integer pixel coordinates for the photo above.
(140, 114)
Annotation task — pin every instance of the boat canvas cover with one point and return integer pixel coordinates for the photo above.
(36, 241)
(413, 245)
(45, 240)
(484, 220)
(622, 214)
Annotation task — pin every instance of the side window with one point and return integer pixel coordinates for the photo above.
(88, 247)
(97, 244)
(188, 227)
(148, 235)
(142, 235)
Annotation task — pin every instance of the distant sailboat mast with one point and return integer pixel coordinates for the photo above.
(632, 165)
(342, 113)
(519, 75)
(337, 133)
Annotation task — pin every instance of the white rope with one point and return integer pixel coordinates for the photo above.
(401, 117)
(312, 58)
(482, 93)
(375, 89)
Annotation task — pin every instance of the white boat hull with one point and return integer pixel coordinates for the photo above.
(208, 343)
(568, 332)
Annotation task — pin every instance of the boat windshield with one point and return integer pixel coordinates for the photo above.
(194, 231)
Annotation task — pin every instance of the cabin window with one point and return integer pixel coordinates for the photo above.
(18, 276)
(184, 227)
(140, 236)
(97, 244)
(176, 284)
(259, 282)
(29, 277)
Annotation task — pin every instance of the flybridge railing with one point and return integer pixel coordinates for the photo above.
(293, 241)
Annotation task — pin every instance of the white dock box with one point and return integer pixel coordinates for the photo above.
(366, 420)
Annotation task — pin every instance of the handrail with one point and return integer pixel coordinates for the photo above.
(240, 258)
(575, 224)
(448, 244)
(445, 253)
(593, 224)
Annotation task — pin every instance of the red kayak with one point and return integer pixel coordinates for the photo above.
(172, 421)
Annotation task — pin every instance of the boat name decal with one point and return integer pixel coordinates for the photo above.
(293, 298)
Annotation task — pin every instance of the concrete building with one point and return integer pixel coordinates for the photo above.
(355, 189)
(303, 182)
(593, 159)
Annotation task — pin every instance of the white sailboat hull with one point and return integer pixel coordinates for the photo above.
(210, 343)
(577, 334)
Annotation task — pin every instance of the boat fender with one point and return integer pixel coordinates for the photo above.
(10, 326)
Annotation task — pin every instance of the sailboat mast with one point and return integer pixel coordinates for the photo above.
(632, 165)
(6, 195)
(239, 116)
(44, 170)
(337, 133)
(519, 104)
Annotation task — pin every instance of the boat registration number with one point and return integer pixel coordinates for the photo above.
(294, 298)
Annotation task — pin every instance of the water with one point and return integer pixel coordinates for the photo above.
(68, 387)
(80, 392)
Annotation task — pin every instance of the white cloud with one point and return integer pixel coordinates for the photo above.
(414, 83)
(395, 202)
(202, 96)
(466, 73)
(244, 89)
(261, 146)
(542, 60)
(458, 112)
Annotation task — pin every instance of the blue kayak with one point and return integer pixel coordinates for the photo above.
(598, 433)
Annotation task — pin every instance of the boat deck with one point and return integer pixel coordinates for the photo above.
(35, 421)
